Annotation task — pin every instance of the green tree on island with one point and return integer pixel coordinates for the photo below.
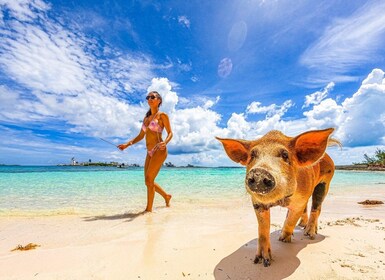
(377, 160)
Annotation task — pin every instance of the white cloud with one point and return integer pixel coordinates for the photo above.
(316, 97)
(24, 9)
(325, 114)
(362, 122)
(7, 98)
(256, 108)
(347, 43)
(71, 84)
(43, 60)
(66, 77)
(238, 127)
(359, 119)
(184, 21)
(194, 130)
(169, 98)
(271, 110)
(198, 100)
(210, 103)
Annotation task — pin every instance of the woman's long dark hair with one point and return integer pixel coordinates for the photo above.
(159, 97)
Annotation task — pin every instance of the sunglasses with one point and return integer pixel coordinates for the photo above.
(151, 97)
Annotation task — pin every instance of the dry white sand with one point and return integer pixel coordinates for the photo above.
(193, 241)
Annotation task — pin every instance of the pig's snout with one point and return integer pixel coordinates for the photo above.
(260, 181)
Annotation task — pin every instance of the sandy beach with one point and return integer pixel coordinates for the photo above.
(212, 241)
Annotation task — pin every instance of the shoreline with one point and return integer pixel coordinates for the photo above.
(359, 167)
(189, 241)
(348, 167)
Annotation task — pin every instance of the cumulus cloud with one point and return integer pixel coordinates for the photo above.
(363, 119)
(238, 126)
(71, 84)
(359, 118)
(270, 110)
(326, 114)
(210, 103)
(72, 81)
(194, 128)
(169, 97)
(316, 97)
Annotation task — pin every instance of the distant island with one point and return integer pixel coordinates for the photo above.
(113, 164)
(374, 163)
(360, 167)
(74, 162)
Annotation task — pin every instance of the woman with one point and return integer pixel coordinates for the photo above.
(153, 124)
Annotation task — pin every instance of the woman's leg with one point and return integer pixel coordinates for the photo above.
(166, 196)
(151, 170)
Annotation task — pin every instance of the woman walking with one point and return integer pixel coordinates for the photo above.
(153, 124)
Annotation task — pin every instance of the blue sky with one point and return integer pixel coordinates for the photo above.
(74, 71)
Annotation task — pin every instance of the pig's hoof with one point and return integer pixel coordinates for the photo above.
(310, 231)
(302, 223)
(258, 259)
(285, 237)
(311, 235)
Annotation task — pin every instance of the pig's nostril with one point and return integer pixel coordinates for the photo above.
(268, 183)
(251, 181)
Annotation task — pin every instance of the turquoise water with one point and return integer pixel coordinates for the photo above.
(53, 190)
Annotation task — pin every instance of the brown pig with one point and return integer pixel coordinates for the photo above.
(284, 171)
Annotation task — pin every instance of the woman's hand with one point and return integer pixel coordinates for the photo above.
(162, 145)
(124, 146)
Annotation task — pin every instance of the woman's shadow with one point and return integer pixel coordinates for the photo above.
(128, 216)
(240, 264)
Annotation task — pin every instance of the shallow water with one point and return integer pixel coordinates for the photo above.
(57, 190)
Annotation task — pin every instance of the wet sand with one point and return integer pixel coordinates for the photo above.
(188, 241)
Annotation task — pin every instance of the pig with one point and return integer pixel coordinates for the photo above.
(285, 171)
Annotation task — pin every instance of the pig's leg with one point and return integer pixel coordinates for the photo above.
(318, 196)
(263, 249)
(304, 218)
(293, 215)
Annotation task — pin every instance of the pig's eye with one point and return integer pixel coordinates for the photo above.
(253, 154)
(285, 155)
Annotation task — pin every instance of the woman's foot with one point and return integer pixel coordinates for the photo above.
(168, 198)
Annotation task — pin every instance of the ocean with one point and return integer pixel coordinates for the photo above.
(85, 190)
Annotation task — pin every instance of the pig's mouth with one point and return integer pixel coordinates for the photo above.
(283, 202)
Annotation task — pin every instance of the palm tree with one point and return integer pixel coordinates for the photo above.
(377, 159)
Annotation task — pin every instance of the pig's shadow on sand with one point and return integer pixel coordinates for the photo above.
(240, 264)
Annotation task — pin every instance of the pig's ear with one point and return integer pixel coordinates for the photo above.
(310, 146)
(237, 150)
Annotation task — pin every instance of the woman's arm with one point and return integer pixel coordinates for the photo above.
(167, 126)
(139, 137)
